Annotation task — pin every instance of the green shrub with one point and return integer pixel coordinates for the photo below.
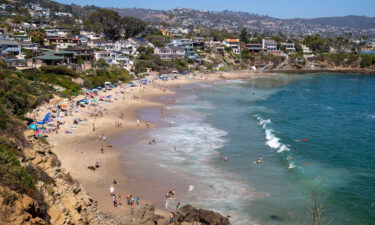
(13, 175)
(59, 70)
(9, 197)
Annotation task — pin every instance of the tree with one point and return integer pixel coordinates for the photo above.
(317, 209)
(316, 43)
(133, 26)
(108, 22)
(243, 36)
(37, 36)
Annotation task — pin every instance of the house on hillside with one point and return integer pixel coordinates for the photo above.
(9, 47)
(62, 43)
(289, 47)
(306, 50)
(20, 37)
(125, 47)
(140, 42)
(269, 45)
(234, 44)
(83, 53)
(255, 47)
(170, 52)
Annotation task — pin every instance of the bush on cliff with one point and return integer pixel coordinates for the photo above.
(13, 175)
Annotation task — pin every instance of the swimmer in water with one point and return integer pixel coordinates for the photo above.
(260, 160)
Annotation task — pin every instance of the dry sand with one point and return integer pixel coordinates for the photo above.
(81, 149)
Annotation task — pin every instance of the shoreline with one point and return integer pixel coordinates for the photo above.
(307, 71)
(80, 149)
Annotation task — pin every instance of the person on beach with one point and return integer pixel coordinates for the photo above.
(114, 200)
(147, 124)
(111, 190)
(97, 164)
(93, 126)
(171, 218)
(128, 197)
(138, 122)
(115, 181)
(137, 200)
(119, 200)
(102, 149)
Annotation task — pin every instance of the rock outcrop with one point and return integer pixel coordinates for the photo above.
(191, 214)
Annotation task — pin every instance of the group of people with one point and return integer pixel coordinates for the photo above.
(171, 193)
(131, 200)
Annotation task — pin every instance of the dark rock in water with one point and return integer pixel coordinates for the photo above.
(190, 214)
(274, 217)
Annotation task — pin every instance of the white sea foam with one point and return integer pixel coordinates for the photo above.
(272, 140)
(283, 148)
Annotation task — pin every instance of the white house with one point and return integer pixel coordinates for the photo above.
(125, 47)
(269, 45)
(306, 49)
(234, 44)
(171, 52)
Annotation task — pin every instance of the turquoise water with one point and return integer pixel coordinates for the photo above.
(268, 117)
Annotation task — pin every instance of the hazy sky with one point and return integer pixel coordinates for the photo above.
(274, 8)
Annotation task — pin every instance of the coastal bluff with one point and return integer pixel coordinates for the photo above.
(59, 199)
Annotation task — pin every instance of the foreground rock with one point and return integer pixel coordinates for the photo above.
(191, 214)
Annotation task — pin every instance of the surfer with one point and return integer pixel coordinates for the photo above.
(302, 140)
(260, 160)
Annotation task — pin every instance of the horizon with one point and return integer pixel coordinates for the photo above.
(289, 9)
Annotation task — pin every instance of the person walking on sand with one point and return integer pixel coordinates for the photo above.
(93, 126)
(119, 200)
(114, 200)
(138, 122)
(102, 149)
(112, 190)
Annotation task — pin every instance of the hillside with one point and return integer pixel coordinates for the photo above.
(361, 22)
(234, 21)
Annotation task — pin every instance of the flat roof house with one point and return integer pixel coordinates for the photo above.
(169, 53)
(289, 47)
(269, 45)
(254, 47)
(7, 46)
(63, 43)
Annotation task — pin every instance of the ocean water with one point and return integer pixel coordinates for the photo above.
(314, 132)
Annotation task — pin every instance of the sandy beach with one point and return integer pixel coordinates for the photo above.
(81, 146)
